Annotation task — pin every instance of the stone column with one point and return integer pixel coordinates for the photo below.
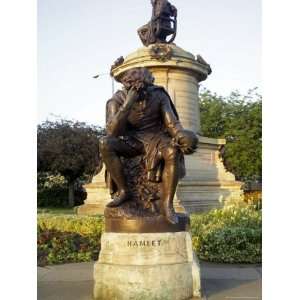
(182, 86)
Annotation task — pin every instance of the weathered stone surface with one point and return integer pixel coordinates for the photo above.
(145, 248)
(207, 183)
(146, 266)
(163, 282)
(197, 291)
(97, 196)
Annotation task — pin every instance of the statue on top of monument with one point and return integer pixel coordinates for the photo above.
(142, 122)
(162, 24)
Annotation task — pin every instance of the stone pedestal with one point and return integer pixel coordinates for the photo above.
(146, 266)
(97, 196)
(207, 183)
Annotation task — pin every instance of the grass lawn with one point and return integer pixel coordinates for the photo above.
(56, 211)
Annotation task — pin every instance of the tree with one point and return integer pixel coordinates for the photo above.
(69, 148)
(238, 119)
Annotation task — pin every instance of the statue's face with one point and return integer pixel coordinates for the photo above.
(138, 78)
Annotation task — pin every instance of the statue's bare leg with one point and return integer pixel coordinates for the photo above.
(111, 149)
(170, 179)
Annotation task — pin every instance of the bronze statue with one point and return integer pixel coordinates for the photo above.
(143, 122)
(163, 23)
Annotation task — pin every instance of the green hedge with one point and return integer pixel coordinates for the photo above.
(68, 238)
(228, 235)
(56, 197)
(52, 191)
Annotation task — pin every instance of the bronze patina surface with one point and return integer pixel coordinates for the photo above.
(144, 154)
(163, 23)
(146, 224)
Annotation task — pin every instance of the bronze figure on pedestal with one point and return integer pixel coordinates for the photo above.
(143, 150)
(163, 23)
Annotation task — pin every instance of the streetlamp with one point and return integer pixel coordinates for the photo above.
(112, 80)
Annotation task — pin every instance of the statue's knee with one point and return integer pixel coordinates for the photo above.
(105, 144)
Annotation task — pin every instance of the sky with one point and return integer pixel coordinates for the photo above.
(78, 39)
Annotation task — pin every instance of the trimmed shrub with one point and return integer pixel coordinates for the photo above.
(83, 225)
(53, 197)
(230, 235)
(52, 191)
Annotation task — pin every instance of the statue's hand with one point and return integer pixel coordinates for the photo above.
(187, 141)
(132, 96)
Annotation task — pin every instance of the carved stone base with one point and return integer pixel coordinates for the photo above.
(200, 196)
(146, 266)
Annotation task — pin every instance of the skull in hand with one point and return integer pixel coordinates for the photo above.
(187, 141)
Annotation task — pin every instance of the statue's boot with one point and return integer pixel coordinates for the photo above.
(170, 214)
(119, 199)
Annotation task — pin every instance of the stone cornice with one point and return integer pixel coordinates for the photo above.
(169, 56)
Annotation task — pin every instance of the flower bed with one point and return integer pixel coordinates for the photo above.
(67, 238)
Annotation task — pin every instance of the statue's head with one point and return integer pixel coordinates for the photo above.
(163, 7)
(138, 78)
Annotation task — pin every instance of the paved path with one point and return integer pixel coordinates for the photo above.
(219, 282)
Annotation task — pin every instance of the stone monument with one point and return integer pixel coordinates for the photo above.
(146, 249)
(207, 183)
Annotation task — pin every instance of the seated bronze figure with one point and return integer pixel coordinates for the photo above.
(142, 122)
(162, 24)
